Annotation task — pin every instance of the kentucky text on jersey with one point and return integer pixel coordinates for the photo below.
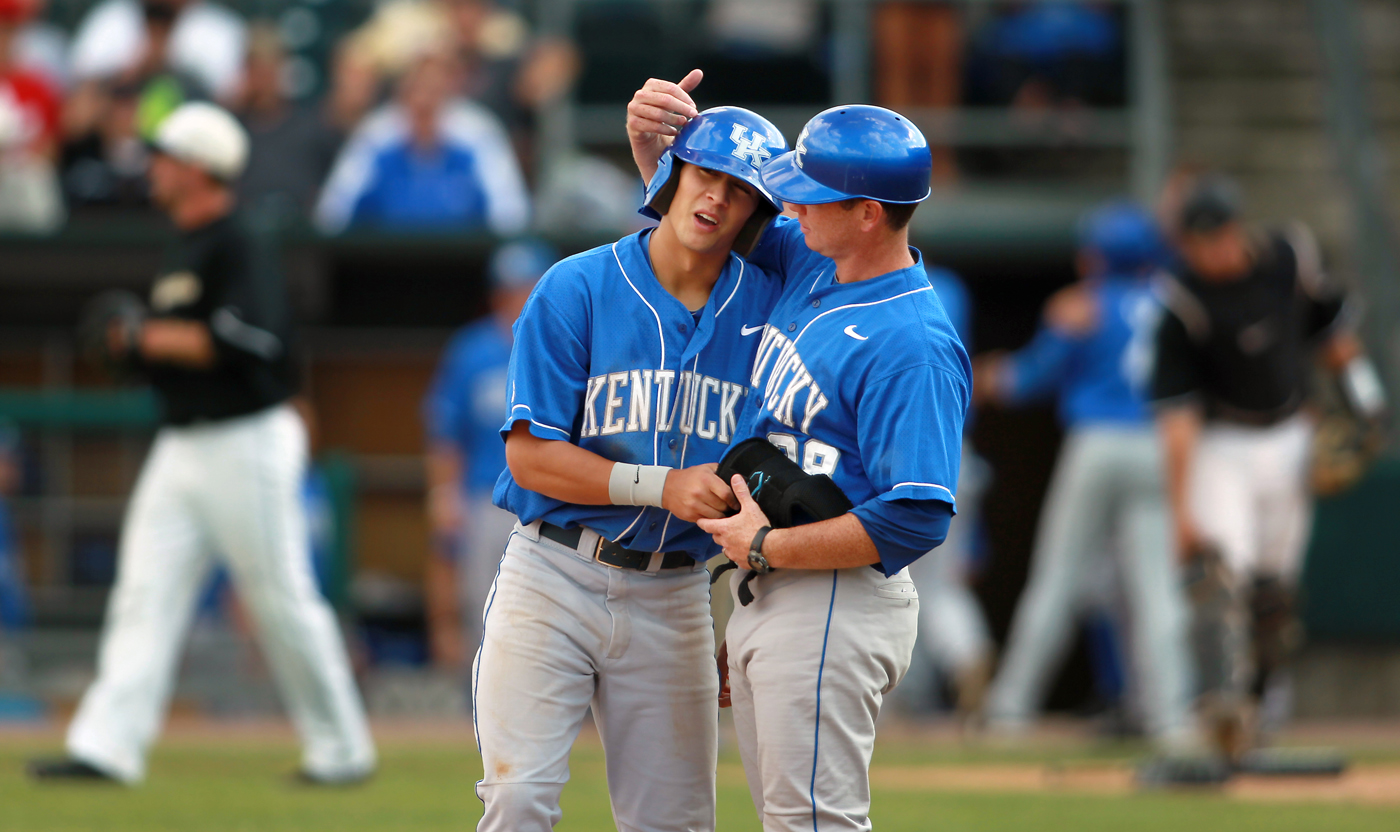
(867, 383)
(696, 399)
(607, 359)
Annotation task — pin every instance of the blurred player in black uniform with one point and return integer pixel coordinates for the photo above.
(1246, 313)
(223, 476)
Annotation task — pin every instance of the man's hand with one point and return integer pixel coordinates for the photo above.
(1189, 541)
(735, 534)
(695, 493)
(988, 377)
(656, 113)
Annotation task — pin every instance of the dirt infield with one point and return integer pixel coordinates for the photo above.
(1369, 784)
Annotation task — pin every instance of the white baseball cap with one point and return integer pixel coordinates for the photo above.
(206, 136)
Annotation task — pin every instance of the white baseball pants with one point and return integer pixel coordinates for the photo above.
(229, 489)
(810, 662)
(1249, 495)
(563, 632)
(1106, 495)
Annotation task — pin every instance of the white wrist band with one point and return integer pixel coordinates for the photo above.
(637, 485)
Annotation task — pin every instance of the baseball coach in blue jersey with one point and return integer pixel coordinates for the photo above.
(859, 376)
(626, 382)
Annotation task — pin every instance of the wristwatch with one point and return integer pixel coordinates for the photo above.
(757, 562)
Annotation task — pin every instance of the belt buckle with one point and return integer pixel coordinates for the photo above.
(598, 553)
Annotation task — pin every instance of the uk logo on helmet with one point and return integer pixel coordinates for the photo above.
(749, 148)
(801, 147)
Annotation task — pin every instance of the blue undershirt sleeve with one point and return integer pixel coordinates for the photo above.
(904, 530)
(1037, 369)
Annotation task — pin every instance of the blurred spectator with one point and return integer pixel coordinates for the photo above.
(586, 194)
(766, 50)
(30, 198)
(462, 413)
(199, 39)
(1051, 63)
(428, 162)
(41, 47)
(498, 63)
(14, 601)
(292, 146)
(918, 60)
(133, 64)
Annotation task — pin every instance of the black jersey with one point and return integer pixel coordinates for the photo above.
(219, 275)
(1241, 347)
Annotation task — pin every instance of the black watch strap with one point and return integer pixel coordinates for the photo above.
(757, 562)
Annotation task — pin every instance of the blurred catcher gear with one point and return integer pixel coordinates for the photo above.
(115, 311)
(1343, 448)
(856, 151)
(205, 136)
(730, 140)
(1277, 632)
(1221, 646)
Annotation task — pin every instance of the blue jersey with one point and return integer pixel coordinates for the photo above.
(466, 400)
(609, 360)
(866, 382)
(1100, 376)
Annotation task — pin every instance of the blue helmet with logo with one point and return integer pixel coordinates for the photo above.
(731, 140)
(856, 151)
(1124, 235)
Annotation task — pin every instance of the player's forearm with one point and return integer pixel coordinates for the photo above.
(185, 343)
(838, 543)
(1180, 429)
(557, 469)
(443, 465)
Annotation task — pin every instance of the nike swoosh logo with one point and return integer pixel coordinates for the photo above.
(749, 330)
(851, 331)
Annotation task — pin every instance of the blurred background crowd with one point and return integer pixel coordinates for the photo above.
(400, 149)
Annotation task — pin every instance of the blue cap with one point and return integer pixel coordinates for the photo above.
(857, 151)
(1124, 235)
(731, 140)
(520, 264)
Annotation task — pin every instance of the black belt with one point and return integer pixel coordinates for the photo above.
(611, 554)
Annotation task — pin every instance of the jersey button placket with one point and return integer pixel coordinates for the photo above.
(792, 327)
(817, 304)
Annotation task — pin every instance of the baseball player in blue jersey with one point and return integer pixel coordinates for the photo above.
(626, 382)
(1093, 351)
(861, 377)
(462, 417)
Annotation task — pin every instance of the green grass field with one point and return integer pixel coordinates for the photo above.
(425, 783)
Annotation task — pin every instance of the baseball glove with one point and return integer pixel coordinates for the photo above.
(1343, 449)
(108, 328)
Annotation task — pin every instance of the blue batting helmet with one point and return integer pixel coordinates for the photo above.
(854, 151)
(521, 263)
(731, 140)
(1124, 235)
